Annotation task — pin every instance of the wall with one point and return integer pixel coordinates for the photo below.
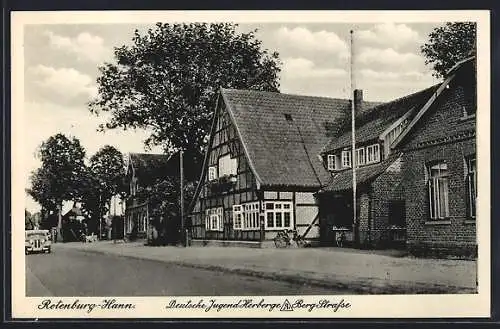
(225, 140)
(442, 134)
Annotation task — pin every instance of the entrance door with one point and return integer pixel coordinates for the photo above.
(397, 222)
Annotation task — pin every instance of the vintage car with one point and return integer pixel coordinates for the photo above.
(37, 241)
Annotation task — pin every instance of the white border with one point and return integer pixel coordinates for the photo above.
(376, 306)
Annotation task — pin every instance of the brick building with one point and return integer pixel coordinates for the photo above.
(439, 168)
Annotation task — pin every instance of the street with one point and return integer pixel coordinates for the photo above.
(69, 272)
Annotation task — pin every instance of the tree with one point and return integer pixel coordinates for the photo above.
(163, 197)
(28, 220)
(102, 180)
(59, 177)
(167, 81)
(448, 45)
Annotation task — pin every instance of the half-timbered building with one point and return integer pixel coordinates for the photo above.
(263, 166)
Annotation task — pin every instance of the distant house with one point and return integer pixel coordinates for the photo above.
(143, 171)
(72, 224)
(262, 166)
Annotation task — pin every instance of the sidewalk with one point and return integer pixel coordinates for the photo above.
(336, 268)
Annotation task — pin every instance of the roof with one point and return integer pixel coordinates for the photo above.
(150, 166)
(75, 211)
(371, 123)
(283, 134)
(342, 181)
(450, 76)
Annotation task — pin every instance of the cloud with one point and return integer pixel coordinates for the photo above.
(308, 41)
(390, 34)
(62, 83)
(299, 68)
(85, 45)
(388, 57)
(410, 75)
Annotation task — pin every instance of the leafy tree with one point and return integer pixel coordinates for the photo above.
(163, 197)
(167, 81)
(28, 220)
(102, 180)
(449, 44)
(59, 177)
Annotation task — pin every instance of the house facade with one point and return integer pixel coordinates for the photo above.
(278, 161)
(439, 169)
(415, 172)
(143, 171)
(380, 212)
(262, 167)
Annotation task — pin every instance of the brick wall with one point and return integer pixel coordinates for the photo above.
(443, 134)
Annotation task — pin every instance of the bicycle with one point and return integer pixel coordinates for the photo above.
(282, 239)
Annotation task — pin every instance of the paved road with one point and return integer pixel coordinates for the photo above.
(78, 273)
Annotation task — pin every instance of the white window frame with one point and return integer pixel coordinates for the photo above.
(360, 159)
(212, 173)
(471, 181)
(272, 209)
(214, 219)
(373, 153)
(438, 211)
(251, 216)
(238, 217)
(227, 165)
(346, 159)
(331, 162)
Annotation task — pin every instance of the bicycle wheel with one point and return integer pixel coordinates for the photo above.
(279, 242)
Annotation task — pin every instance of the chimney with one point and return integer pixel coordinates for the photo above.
(358, 99)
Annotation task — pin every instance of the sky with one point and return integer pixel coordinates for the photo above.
(61, 65)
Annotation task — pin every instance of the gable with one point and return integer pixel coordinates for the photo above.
(446, 118)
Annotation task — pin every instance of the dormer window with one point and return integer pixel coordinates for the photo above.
(346, 159)
(372, 153)
(360, 156)
(333, 162)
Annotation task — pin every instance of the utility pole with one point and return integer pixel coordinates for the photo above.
(353, 147)
(183, 235)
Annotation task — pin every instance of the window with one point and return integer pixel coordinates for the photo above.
(251, 216)
(213, 219)
(227, 165)
(346, 159)
(278, 215)
(372, 153)
(471, 184)
(331, 162)
(360, 156)
(237, 217)
(212, 173)
(246, 216)
(438, 191)
(396, 131)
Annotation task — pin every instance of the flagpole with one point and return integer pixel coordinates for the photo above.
(353, 146)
